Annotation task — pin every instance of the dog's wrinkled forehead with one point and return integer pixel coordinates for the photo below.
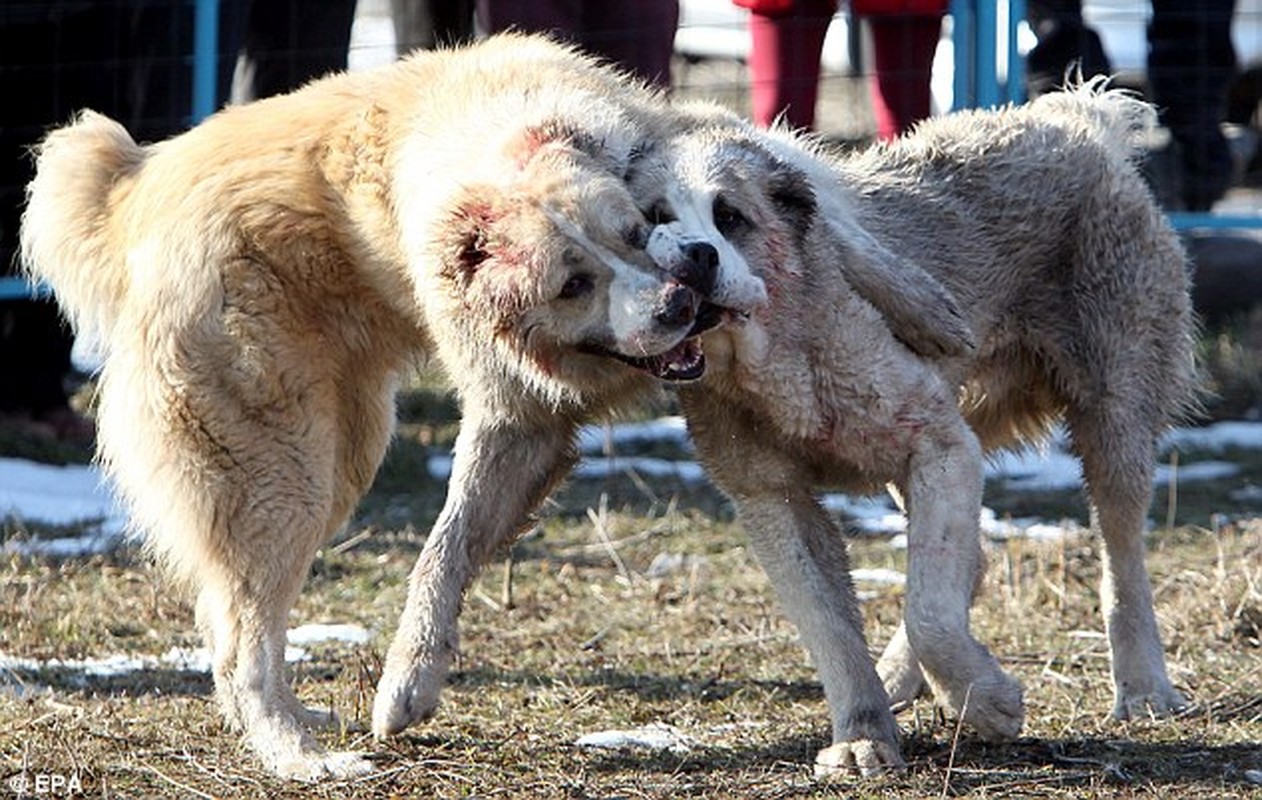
(612, 148)
(710, 158)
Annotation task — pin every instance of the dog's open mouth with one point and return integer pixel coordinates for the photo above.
(683, 362)
(686, 360)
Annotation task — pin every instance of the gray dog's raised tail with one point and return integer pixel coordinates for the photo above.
(64, 237)
(1118, 118)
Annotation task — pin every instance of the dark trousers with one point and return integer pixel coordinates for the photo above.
(638, 36)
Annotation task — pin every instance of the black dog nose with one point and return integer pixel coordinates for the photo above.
(699, 269)
(678, 307)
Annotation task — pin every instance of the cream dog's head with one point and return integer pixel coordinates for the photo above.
(556, 277)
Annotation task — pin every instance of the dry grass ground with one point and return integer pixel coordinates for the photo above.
(588, 638)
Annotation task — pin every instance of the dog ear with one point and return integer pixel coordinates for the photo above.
(472, 239)
(469, 246)
(919, 310)
(565, 133)
(790, 190)
(478, 260)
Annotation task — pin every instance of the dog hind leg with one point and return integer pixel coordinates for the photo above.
(1117, 461)
(246, 622)
(899, 670)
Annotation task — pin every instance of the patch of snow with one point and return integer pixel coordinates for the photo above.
(1024, 527)
(77, 494)
(1217, 437)
(664, 564)
(656, 736)
(196, 659)
(686, 471)
(63, 546)
(1033, 470)
(439, 468)
(593, 438)
(103, 667)
(1196, 471)
(59, 495)
(315, 633)
(887, 577)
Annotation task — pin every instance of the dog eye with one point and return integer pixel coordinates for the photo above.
(659, 214)
(727, 218)
(636, 237)
(577, 286)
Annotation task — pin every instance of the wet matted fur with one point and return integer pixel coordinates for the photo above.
(1077, 294)
(258, 285)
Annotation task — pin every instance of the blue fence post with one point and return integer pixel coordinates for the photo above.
(985, 65)
(975, 36)
(1016, 64)
(962, 35)
(205, 58)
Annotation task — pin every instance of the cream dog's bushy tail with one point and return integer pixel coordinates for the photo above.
(64, 238)
(1119, 119)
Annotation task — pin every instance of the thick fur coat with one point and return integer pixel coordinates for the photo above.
(1076, 291)
(258, 285)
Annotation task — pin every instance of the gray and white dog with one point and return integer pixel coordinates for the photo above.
(1076, 291)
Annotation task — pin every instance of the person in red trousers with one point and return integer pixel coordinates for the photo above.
(787, 38)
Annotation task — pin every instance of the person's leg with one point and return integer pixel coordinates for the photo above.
(1190, 64)
(286, 43)
(57, 59)
(784, 67)
(902, 49)
(429, 24)
(1065, 44)
(561, 18)
(639, 37)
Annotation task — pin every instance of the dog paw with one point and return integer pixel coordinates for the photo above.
(903, 688)
(313, 718)
(318, 719)
(865, 757)
(311, 766)
(1160, 701)
(402, 702)
(994, 706)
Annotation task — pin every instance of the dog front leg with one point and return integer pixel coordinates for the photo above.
(805, 557)
(943, 492)
(500, 474)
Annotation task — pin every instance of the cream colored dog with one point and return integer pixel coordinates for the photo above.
(1076, 291)
(259, 284)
